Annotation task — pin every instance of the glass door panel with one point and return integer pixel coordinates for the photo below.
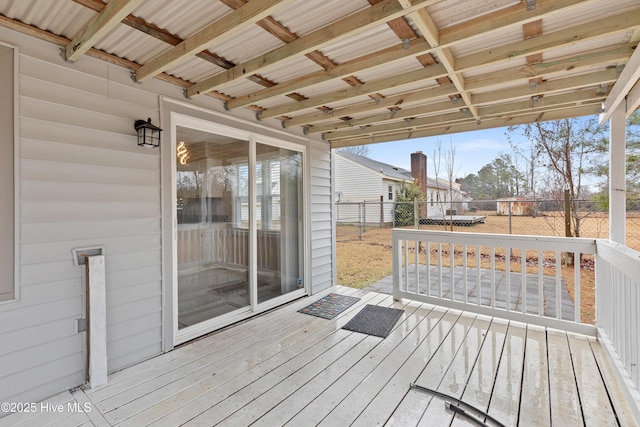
(279, 221)
(212, 191)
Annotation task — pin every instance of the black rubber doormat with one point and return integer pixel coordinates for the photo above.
(374, 320)
(329, 306)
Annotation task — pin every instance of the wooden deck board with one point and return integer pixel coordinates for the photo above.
(413, 406)
(477, 392)
(240, 370)
(565, 402)
(505, 398)
(245, 406)
(288, 368)
(454, 381)
(535, 407)
(593, 394)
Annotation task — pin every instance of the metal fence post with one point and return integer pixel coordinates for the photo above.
(364, 215)
(381, 211)
(416, 213)
(510, 218)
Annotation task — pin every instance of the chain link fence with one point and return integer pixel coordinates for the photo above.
(509, 216)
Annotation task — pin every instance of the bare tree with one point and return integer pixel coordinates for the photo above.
(567, 149)
(448, 159)
(361, 150)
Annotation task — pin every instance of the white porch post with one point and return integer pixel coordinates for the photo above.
(617, 175)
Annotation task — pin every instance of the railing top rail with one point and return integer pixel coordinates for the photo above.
(622, 257)
(565, 244)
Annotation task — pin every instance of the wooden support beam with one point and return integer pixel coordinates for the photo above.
(390, 101)
(157, 32)
(629, 77)
(226, 27)
(466, 127)
(365, 89)
(416, 47)
(334, 32)
(101, 25)
(558, 102)
(607, 25)
(489, 56)
(585, 95)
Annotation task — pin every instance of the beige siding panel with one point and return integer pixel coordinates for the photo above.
(135, 277)
(34, 336)
(34, 253)
(29, 317)
(119, 294)
(133, 261)
(80, 191)
(38, 170)
(40, 355)
(74, 99)
(123, 144)
(35, 212)
(68, 153)
(45, 293)
(48, 272)
(95, 230)
(62, 373)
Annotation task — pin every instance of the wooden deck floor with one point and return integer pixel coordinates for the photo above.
(288, 368)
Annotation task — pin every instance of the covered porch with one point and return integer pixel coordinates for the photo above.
(289, 368)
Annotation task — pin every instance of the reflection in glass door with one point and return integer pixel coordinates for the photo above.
(279, 219)
(212, 188)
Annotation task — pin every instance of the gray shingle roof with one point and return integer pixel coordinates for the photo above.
(386, 169)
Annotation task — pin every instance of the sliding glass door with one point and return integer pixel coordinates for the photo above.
(213, 247)
(239, 215)
(279, 220)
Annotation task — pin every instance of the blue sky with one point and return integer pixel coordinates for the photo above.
(473, 150)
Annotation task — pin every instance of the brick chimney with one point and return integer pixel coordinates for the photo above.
(419, 170)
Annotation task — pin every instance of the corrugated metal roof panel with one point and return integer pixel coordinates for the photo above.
(305, 16)
(182, 17)
(246, 45)
(377, 38)
(446, 14)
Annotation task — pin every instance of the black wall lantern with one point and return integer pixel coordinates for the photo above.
(148, 134)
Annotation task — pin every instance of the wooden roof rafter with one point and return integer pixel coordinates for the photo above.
(410, 48)
(410, 66)
(103, 23)
(550, 68)
(466, 127)
(523, 48)
(227, 26)
(382, 12)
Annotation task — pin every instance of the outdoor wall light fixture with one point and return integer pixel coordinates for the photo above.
(148, 134)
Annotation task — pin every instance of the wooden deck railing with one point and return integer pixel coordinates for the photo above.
(524, 278)
(618, 312)
(529, 279)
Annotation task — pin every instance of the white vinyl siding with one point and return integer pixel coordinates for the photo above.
(321, 222)
(83, 182)
(357, 183)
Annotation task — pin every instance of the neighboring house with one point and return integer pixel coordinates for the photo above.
(361, 179)
(233, 213)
